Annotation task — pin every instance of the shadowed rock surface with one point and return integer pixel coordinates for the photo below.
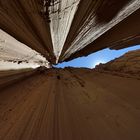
(9, 77)
(72, 104)
(61, 30)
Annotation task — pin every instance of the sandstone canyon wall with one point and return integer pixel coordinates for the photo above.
(73, 104)
(129, 64)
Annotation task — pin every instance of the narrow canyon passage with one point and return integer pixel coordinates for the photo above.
(41, 101)
(71, 104)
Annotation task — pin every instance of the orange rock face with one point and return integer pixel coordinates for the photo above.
(71, 104)
(129, 63)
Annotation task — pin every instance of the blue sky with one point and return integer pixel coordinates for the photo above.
(102, 56)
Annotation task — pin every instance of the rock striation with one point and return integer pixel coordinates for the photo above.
(71, 104)
(61, 30)
(129, 63)
(9, 77)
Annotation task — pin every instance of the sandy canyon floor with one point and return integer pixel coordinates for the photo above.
(71, 104)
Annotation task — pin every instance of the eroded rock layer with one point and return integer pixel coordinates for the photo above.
(14, 52)
(71, 104)
(129, 63)
(65, 29)
(9, 77)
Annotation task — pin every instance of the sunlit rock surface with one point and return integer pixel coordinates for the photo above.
(128, 63)
(62, 30)
(14, 54)
(71, 103)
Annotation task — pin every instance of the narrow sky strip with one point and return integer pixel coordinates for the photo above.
(94, 59)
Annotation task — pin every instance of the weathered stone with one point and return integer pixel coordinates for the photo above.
(61, 30)
(128, 63)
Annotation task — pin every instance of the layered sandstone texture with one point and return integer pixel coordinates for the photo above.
(129, 63)
(62, 30)
(71, 104)
(8, 77)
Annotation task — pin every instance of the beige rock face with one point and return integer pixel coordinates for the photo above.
(128, 63)
(61, 30)
(74, 103)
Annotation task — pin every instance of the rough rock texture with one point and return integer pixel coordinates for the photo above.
(14, 51)
(9, 77)
(71, 104)
(129, 63)
(61, 30)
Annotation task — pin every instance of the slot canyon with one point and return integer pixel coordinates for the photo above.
(38, 100)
